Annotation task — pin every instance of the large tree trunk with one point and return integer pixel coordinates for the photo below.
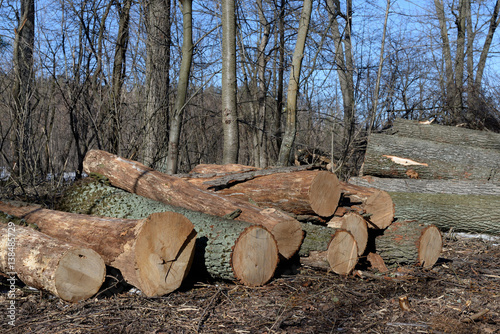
(137, 178)
(72, 273)
(153, 254)
(229, 84)
(293, 86)
(403, 157)
(445, 134)
(408, 242)
(225, 248)
(301, 193)
(462, 213)
(457, 187)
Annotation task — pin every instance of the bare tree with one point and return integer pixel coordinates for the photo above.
(182, 87)
(293, 86)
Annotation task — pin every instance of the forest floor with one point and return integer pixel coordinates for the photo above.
(460, 294)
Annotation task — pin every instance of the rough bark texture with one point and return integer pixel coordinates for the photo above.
(153, 254)
(463, 213)
(225, 248)
(457, 187)
(137, 178)
(72, 273)
(445, 134)
(409, 242)
(429, 159)
(301, 193)
(374, 205)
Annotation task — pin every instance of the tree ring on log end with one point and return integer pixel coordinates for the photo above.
(342, 253)
(79, 275)
(381, 209)
(431, 244)
(324, 193)
(164, 252)
(255, 256)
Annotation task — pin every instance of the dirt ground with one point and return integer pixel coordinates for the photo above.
(460, 294)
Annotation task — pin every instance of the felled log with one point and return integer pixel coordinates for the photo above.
(226, 249)
(374, 205)
(409, 242)
(457, 187)
(403, 157)
(463, 213)
(445, 134)
(137, 178)
(355, 224)
(299, 192)
(328, 248)
(153, 254)
(70, 272)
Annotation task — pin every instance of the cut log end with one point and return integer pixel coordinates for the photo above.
(431, 244)
(255, 256)
(381, 209)
(324, 193)
(164, 252)
(356, 224)
(342, 254)
(288, 234)
(79, 275)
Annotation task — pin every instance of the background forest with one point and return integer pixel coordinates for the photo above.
(175, 84)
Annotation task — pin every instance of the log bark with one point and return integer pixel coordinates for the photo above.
(70, 272)
(462, 213)
(457, 187)
(301, 193)
(402, 157)
(328, 248)
(137, 178)
(409, 242)
(445, 134)
(374, 205)
(226, 249)
(153, 254)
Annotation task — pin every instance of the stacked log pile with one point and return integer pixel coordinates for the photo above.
(441, 175)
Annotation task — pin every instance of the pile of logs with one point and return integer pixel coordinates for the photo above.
(442, 175)
(229, 222)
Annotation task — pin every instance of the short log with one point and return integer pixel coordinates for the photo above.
(70, 272)
(153, 254)
(408, 242)
(225, 249)
(137, 178)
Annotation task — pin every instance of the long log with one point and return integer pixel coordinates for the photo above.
(137, 178)
(72, 273)
(457, 187)
(402, 157)
(445, 134)
(226, 249)
(462, 213)
(299, 192)
(153, 254)
(409, 242)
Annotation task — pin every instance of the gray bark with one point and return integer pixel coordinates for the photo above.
(229, 106)
(494, 21)
(293, 86)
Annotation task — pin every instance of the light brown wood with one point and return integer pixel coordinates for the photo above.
(408, 242)
(221, 169)
(356, 224)
(301, 193)
(137, 178)
(67, 271)
(374, 205)
(342, 253)
(153, 254)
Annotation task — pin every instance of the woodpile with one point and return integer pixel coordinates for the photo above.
(441, 175)
(229, 222)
